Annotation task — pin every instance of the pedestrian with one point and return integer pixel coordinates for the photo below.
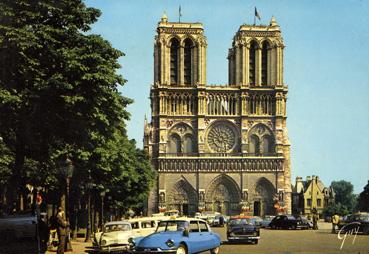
(335, 221)
(221, 221)
(315, 220)
(62, 230)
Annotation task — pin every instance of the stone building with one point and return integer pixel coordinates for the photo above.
(221, 148)
(310, 194)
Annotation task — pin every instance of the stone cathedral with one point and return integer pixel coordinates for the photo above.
(221, 148)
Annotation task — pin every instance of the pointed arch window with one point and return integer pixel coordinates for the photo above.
(187, 61)
(174, 53)
(174, 144)
(159, 62)
(188, 145)
(252, 62)
(268, 145)
(264, 63)
(254, 148)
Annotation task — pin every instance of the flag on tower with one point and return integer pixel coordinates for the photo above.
(257, 14)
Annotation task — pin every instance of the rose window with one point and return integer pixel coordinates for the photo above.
(221, 138)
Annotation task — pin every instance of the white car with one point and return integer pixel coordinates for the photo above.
(114, 237)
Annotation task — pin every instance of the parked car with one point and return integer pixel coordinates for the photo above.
(305, 221)
(256, 220)
(114, 237)
(180, 236)
(23, 233)
(170, 213)
(266, 221)
(243, 228)
(218, 221)
(358, 222)
(145, 225)
(288, 222)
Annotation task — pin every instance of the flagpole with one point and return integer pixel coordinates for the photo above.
(179, 14)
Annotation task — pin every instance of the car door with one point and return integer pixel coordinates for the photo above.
(195, 237)
(208, 239)
(147, 227)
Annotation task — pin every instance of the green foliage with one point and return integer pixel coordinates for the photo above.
(344, 194)
(363, 199)
(337, 208)
(59, 95)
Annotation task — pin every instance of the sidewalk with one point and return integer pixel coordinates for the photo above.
(79, 246)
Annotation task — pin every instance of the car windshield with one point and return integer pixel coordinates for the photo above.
(172, 226)
(364, 217)
(117, 227)
(244, 221)
(291, 217)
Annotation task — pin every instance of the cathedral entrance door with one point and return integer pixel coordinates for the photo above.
(257, 208)
(185, 209)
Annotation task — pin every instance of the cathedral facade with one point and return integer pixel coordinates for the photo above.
(220, 148)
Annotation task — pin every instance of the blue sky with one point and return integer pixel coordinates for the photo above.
(326, 67)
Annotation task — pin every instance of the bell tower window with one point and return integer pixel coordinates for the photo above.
(264, 63)
(174, 48)
(252, 63)
(187, 61)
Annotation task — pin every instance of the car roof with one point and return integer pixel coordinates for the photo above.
(117, 223)
(241, 217)
(148, 219)
(184, 219)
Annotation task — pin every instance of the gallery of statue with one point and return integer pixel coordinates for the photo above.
(221, 148)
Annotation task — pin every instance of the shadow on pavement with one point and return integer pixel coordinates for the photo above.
(236, 243)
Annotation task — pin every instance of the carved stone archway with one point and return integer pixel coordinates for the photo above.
(263, 197)
(223, 195)
(183, 197)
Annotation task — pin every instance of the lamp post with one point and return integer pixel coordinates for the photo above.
(89, 186)
(67, 170)
(102, 195)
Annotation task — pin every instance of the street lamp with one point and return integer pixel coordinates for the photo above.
(102, 195)
(66, 169)
(89, 186)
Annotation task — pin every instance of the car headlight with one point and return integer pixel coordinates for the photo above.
(131, 241)
(169, 243)
(103, 242)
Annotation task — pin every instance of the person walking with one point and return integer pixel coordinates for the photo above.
(62, 230)
(335, 221)
(315, 220)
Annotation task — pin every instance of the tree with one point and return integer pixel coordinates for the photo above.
(363, 200)
(333, 209)
(344, 194)
(58, 93)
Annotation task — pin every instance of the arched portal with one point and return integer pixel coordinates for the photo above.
(183, 197)
(263, 197)
(223, 195)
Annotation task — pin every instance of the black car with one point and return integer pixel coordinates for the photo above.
(243, 229)
(288, 222)
(356, 223)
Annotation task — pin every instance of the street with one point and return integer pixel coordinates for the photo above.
(284, 242)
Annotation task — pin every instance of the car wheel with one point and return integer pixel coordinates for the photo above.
(256, 241)
(181, 249)
(215, 250)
